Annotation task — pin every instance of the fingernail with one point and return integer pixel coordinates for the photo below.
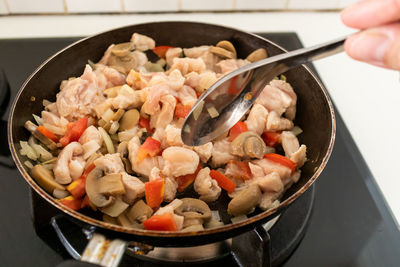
(368, 46)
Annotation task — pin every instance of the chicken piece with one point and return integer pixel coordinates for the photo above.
(174, 52)
(53, 119)
(79, 96)
(206, 187)
(89, 148)
(173, 136)
(108, 77)
(192, 79)
(268, 198)
(163, 117)
(52, 108)
(197, 51)
(155, 174)
(179, 161)
(170, 209)
(76, 167)
(152, 103)
(126, 98)
(140, 60)
(136, 80)
(269, 166)
(277, 123)
(175, 80)
(299, 156)
(91, 134)
(62, 172)
(257, 119)
(256, 170)
(187, 95)
(211, 60)
(204, 151)
(170, 188)
(274, 98)
(271, 182)
(134, 188)
(287, 88)
(220, 153)
(229, 65)
(110, 163)
(186, 65)
(290, 143)
(296, 176)
(142, 42)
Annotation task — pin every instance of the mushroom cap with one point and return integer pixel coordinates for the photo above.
(248, 144)
(193, 208)
(93, 189)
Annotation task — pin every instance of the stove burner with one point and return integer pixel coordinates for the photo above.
(255, 248)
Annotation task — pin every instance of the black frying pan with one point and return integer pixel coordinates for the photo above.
(315, 116)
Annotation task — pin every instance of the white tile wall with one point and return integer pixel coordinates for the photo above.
(151, 5)
(3, 7)
(93, 6)
(313, 4)
(36, 6)
(210, 5)
(345, 3)
(260, 4)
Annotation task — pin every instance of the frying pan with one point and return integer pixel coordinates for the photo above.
(315, 115)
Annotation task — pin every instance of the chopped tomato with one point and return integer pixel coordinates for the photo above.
(281, 160)
(71, 202)
(145, 123)
(223, 181)
(47, 133)
(74, 131)
(239, 169)
(154, 192)
(161, 50)
(271, 138)
(163, 222)
(185, 180)
(233, 90)
(89, 169)
(77, 187)
(85, 202)
(151, 147)
(181, 111)
(238, 128)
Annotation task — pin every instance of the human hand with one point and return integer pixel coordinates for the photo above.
(379, 42)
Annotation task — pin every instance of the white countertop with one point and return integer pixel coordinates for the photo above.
(367, 97)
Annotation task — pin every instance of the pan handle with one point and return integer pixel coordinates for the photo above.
(99, 251)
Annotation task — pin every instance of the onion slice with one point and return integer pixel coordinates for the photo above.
(107, 140)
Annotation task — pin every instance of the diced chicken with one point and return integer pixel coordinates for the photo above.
(256, 170)
(136, 80)
(204, 151)
(187, 95)
(91, 134)
(172, 53)
(152, 103)
(257, 118)
(290, 143)
(173, 135)
(129, 134)
(53, 119)
(140, 60)
(89, 148)
(175, 80)
(288, 89)
(211, 60)
(170, 189)
(277, 123)
(276, 96)
(108, 77)
(220, 153)
(268, 198)
(229, 65)
(134, 188)
(170, 209)
(142, 42)
(269, 166)
(192, 79)
(299, 156)
(155, 174)
(271, 182)
(76, 167)
(186, 65)
(179, 161)
(62, 172)
(296, 176)
(164, 116)
(126, 98)
(206, 187)
(110, 163)
(197, 51)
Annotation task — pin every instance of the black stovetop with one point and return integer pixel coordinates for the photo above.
(351, 224)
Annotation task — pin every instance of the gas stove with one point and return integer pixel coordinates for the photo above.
(342, 220)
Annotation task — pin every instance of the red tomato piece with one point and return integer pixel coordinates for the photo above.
(161, 50)
(71, 202)
(238, 128)
(145, 123)
(154, 192)
(233, 90)
(223, 181)
(181, 111)
(74, 131)
(77, 187)
(281, 160)
(151, 147)
(271, 138)
(47, 133)
(185, 180)
(85, 202)
(163, 222)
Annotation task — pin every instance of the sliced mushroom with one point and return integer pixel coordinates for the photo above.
(190, 219)
(122, 49)
(129, 120)
(116, 208)
(127, 166)
(257, 55)
(124, 220)
(227, 46)
(111, 185)
(221, 52)
(115, 118)
(109, 219)
(248, 144)
(45, 179)
(139, 212)
(245, 201)
(31, 127)
(112, 91)
(193, 228)
(193, 208)
(93, 187)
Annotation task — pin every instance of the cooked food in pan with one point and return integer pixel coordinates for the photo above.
(111, 140)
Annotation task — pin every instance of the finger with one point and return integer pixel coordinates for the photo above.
(371, 13)
(378, 46)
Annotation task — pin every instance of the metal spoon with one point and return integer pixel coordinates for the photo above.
(226, 101)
